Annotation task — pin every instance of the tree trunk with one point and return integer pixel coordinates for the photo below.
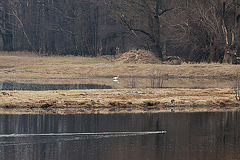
(7, 34)
(212, 51)
(157, 30)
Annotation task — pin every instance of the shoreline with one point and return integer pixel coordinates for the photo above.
(154, 110)
(122, 101)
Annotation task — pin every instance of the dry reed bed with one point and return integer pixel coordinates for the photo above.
(118, 101)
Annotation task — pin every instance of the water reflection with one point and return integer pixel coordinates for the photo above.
(42, 87)
(165, 82)
(189, 136)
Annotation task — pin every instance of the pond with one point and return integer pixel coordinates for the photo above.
(121, 136)
(43, 87)
(108, 83)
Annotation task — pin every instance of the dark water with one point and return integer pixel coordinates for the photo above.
(43, 87)
(189, 136)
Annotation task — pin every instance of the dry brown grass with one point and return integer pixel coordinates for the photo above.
(119, 101)
(26, 65)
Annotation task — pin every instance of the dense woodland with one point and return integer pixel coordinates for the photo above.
(195, 30)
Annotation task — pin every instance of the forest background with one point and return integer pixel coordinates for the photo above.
(195, 30)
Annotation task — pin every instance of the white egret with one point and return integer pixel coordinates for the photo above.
(115, 78)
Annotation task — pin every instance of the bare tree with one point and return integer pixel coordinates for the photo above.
(143, 19)
(6, 26)
(200, 30)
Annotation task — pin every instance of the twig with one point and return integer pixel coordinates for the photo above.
(237, 89)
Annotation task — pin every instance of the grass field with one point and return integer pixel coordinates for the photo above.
(27, 65)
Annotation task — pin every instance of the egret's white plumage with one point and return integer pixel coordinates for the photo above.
(115, 78)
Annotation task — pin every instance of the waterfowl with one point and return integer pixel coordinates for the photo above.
(115, 78)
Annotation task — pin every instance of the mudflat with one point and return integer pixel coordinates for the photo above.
(25, 67)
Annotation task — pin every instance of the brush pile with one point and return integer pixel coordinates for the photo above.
(138, 57)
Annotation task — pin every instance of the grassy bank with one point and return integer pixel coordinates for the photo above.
(118, 101)
(13, 65)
